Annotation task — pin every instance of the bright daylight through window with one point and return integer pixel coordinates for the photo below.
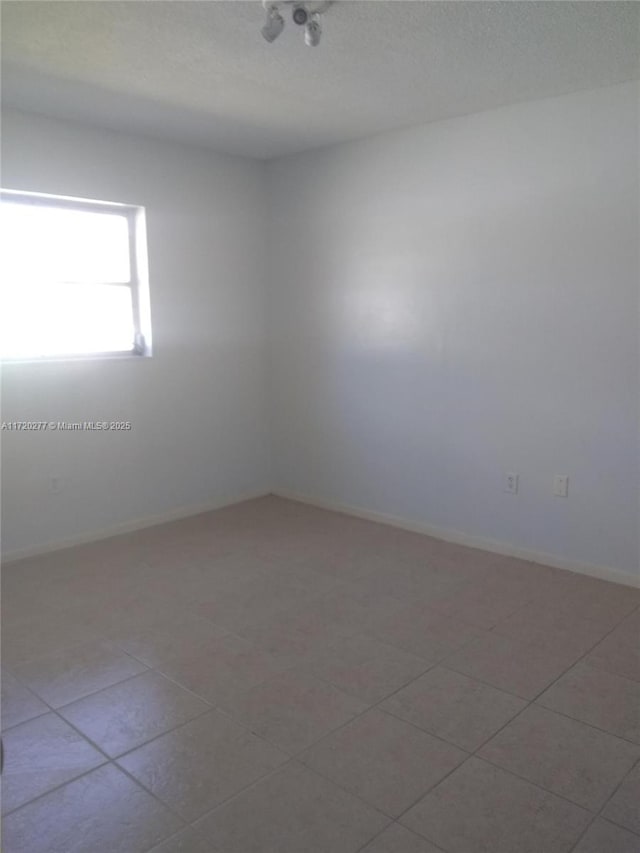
(73, 278)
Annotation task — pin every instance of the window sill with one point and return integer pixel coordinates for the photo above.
(59, 359)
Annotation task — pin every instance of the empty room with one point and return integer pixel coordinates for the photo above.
(320, 426)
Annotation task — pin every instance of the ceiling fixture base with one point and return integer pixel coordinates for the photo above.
(303, 14)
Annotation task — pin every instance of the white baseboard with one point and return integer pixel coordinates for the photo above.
(130, 526)
(497, 547)
(455, 536)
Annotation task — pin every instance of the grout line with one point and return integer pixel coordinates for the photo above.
(148, 668)
(108, 760)
(116, 766)
(615, 791)
(448, 666)
(252, 784)
(610, 820)
(535, 784)
(402, 826)
(7, 729)
(578, 660)
(528, 701)
(295, 758)
(46, 793)
(139, 783)
(57, 708)
(566, 716)
(127, 752)
(602, 808)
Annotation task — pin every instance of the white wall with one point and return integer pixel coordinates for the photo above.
(197, 406)
(460, 300)
(446, 303)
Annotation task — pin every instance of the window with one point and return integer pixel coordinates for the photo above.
(73, 278)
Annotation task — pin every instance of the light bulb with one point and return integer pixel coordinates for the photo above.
(312, 32)
(274, 25)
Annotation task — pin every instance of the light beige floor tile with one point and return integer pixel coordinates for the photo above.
(604, 837)
(222, 667)
(102, 812)
(599, 698)
(383, 760)
(537, 623)
(18, 704)
(259, 598)
(72, 673)
(524, 576)
(398, 839)
(629, 629)
(311, 586)
(488, 602)
(293, 710)
(454, 707)
(130, 713)
(601, 602)
(348, 604)
(365, 667)
(186, 841)
(562, 755)
(40, 755)
(198, 766)
(348, 560)
(165, 639)
(624, 807)
(524, 669)
(425, 632)
(460, 561)
(292, 811)
(36, 637)
(482, 808)
(295, 577)
(27, 604)
(131, 603)
(295, 636)
(618, 655)
(409, 583)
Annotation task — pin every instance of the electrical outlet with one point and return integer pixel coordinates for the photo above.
(511, 483)
(561, 485)
(55, 484)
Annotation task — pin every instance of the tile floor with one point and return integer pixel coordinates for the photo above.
(273, 678)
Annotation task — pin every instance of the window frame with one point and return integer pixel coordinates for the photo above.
(138, 282)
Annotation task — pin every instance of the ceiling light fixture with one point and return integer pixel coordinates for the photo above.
(313, 31)
(274, 24)
(300, 15)
(304, 14)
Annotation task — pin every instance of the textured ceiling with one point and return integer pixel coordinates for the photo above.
(201, 72)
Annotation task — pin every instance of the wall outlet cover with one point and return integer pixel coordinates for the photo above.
(511, 482)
